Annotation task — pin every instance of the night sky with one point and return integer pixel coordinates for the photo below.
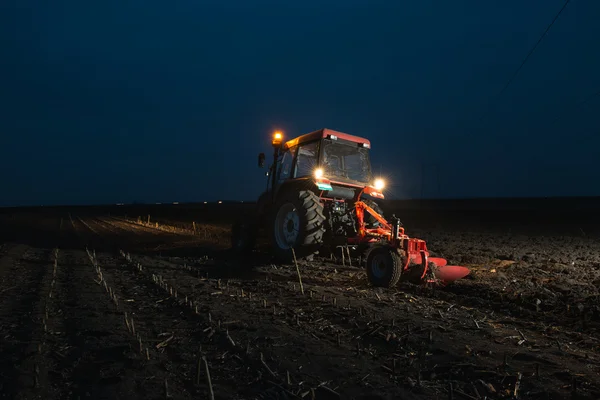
(162, 101)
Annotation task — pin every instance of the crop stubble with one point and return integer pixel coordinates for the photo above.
(526, 324)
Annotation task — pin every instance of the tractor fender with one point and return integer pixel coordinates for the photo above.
(266, 200)
(296, 185)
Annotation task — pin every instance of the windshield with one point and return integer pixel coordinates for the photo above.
(346, 161)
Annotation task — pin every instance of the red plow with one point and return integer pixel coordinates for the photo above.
(394, 256)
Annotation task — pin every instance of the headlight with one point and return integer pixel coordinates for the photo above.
(379, 184)
(318, 173)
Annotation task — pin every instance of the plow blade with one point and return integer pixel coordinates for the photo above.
(444, 272)
(450, 273)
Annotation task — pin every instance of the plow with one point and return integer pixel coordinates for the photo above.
(321, 195)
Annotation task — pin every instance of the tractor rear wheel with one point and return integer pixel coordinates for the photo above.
(298, 223)
(243, 236)
(384, 266)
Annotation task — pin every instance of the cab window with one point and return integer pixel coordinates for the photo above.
(308, 155)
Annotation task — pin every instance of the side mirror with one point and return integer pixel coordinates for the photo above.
(261, 160)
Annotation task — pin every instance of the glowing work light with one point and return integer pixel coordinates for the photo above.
(277, 138)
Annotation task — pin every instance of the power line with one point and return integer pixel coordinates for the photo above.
(514, 75)
(533, 49)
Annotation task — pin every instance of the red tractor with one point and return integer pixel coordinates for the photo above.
(321, 194)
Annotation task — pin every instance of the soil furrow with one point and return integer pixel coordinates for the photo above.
(528, 315)
(22, 323)
(387, 346)
(295, 331)
(92, 351)
(156, 318)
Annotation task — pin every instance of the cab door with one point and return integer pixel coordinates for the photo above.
(286, 165)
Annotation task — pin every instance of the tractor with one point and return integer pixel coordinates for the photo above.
(321, 194)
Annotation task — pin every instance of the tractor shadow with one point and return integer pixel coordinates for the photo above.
(260, 265)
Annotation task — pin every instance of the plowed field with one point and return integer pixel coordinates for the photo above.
(99, 306)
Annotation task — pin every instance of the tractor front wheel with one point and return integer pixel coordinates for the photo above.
(384, 266)
(297, 223)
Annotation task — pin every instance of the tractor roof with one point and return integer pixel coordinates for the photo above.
(323, 133)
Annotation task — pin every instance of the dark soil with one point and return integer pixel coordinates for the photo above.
(99, 306)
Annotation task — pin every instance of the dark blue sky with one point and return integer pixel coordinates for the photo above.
(157, 101)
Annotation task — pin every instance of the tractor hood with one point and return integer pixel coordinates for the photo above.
(345, 190)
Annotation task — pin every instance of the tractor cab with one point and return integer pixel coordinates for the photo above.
(337, 164)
